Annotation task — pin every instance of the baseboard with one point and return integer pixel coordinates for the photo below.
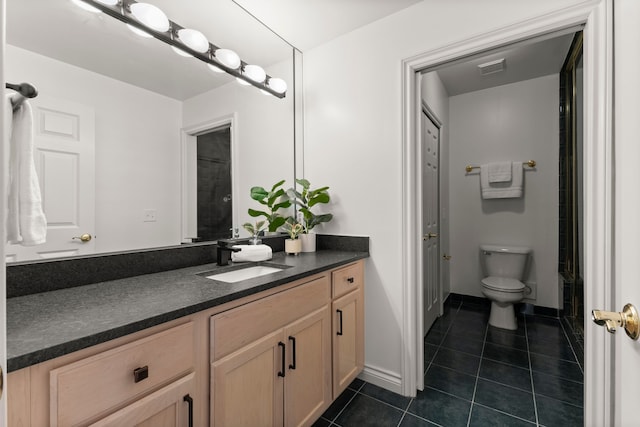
(382, 378)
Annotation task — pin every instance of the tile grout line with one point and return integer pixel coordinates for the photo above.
(475, 386)
(533, 389)
(572, 349)
(346, 404)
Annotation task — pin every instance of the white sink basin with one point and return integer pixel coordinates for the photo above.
(244, 274)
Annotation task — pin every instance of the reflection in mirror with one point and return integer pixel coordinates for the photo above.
(117, 113)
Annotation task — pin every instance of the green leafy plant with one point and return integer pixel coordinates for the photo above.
(306, 199)
(274, 200)
(292, 228)
(254, 229)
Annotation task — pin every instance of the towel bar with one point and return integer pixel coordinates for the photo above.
(530, 163)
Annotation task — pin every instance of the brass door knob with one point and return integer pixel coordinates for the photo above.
(429, 236)
(86, 237)
(627, 319)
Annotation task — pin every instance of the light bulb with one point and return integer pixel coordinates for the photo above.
(108, 2)
(228, 58)
(194, 40)
(86, 6)
(277, 84)
(150, 16)
(255, 73)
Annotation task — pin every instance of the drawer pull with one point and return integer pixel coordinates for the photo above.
(350, 279)
(140, 374)
(293, 347)
(340, 320)
(284, 355)
(189, 401)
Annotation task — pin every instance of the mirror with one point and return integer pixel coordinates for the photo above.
(139, 107)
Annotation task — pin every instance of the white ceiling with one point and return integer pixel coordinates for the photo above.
(309, 23)
(523, 62)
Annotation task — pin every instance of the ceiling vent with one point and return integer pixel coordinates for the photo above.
(492, 67)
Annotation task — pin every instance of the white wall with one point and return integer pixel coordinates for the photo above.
(137, 149)
(435, 95)
(264, 134)
(517, 121)
(353, 141)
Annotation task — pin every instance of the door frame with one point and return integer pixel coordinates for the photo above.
(189, 136)
(596, 16)
(4, 155)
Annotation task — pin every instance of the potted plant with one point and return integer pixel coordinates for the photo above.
(274, 200)
(293, 245)
(306, 199)
(254, 230)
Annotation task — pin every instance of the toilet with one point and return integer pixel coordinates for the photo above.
(504, 268)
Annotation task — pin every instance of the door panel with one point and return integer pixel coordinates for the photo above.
(430, 141)
(246, 390)
(64, 147)
(308, 382)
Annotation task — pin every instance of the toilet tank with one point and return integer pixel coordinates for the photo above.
(504, 261)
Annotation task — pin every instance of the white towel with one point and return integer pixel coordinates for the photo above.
(251, 253)
(25, 220)
(499, 172)
(502, 190)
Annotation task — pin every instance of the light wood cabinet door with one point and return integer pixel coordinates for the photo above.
(348, 339)
(247, 385)
(171, 406)
(307, 385)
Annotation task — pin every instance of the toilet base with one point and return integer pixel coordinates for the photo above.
(503, 316)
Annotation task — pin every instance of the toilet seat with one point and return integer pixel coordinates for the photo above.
(503, 284)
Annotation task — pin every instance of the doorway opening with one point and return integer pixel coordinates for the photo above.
(214, 206)
(594, 20)
(208, 191)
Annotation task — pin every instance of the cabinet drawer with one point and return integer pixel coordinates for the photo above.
(89, 388)
(347, 279)
(240, 326)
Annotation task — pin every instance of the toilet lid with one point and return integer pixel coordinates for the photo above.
(504, 284)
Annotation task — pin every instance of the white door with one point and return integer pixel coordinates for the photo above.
(430, 141)
(626, 361)
(64, 139)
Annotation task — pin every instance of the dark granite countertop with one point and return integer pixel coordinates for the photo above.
(47, 325)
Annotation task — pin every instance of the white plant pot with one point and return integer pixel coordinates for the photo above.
(308, 242)
(293, 246)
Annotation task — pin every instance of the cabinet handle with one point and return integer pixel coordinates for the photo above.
(140, 374)
(282, 346)
(340, 322)
(293, 343)
(350, 279)
(189, 401)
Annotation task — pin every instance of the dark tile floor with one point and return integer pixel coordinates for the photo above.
(478, 375)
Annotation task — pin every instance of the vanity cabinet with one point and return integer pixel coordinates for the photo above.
(278, 357)
(83, 392)
(348, 325)
(283, 376)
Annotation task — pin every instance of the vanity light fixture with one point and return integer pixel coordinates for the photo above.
(148, 20)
